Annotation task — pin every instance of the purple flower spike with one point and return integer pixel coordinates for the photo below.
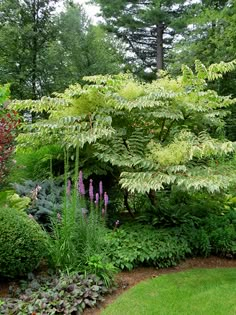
(81, 184)
(68, 187)
(105, 200)
(91, 194)
(100, 189)
(96, 199)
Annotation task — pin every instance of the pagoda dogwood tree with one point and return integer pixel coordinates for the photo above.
(168, 132)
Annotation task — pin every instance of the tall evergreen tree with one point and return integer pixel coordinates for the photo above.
(147, 26)
(211, 37)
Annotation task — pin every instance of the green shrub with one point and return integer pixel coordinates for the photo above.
(223, 241)
(136, 245)
(222, 233)
(198, 240)
(22, 243)
(214, 234)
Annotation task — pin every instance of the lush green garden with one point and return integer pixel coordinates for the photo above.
(114, 155)
(110, 175)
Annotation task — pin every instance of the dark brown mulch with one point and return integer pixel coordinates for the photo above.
(127, 279)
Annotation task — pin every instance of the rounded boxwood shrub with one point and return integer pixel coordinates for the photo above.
(22, 243)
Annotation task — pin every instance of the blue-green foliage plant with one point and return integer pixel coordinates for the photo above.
(46, 198)
(22, 243)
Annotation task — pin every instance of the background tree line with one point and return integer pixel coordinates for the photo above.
(47, 45)
(44, 49)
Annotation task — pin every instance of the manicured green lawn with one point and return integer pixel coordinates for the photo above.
(195, 292)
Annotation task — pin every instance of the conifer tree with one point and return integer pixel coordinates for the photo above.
(147, 26)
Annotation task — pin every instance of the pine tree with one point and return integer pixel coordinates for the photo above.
(147, 26)
(211, 38)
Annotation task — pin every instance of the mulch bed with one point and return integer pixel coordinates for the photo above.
(127, 279)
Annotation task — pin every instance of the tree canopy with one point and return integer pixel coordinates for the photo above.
(43, 50)
(167, 132)
(148, 28)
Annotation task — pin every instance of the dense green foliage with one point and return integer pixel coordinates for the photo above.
(26, 32)
(65, 294)
(36, 165)
(22, 243)
(198, 291)
(44, 49)
(160, 149)
(210, 37)
(137, 245)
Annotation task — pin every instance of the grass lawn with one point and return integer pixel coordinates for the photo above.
(195, 292)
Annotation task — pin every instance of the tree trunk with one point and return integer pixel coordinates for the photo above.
(159, 47)
(34, 49)
(152, 197)
(126, 203)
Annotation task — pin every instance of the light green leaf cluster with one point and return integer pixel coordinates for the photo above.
(154, 134)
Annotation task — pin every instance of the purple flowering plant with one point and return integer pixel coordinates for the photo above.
(99, 199)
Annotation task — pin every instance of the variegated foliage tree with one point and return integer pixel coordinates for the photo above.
(168, 132)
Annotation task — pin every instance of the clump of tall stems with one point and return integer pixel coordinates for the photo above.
(78, 232)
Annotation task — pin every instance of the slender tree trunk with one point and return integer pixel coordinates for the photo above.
(159, 49)
(34, 50)
(126, 203)
(152, 197)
